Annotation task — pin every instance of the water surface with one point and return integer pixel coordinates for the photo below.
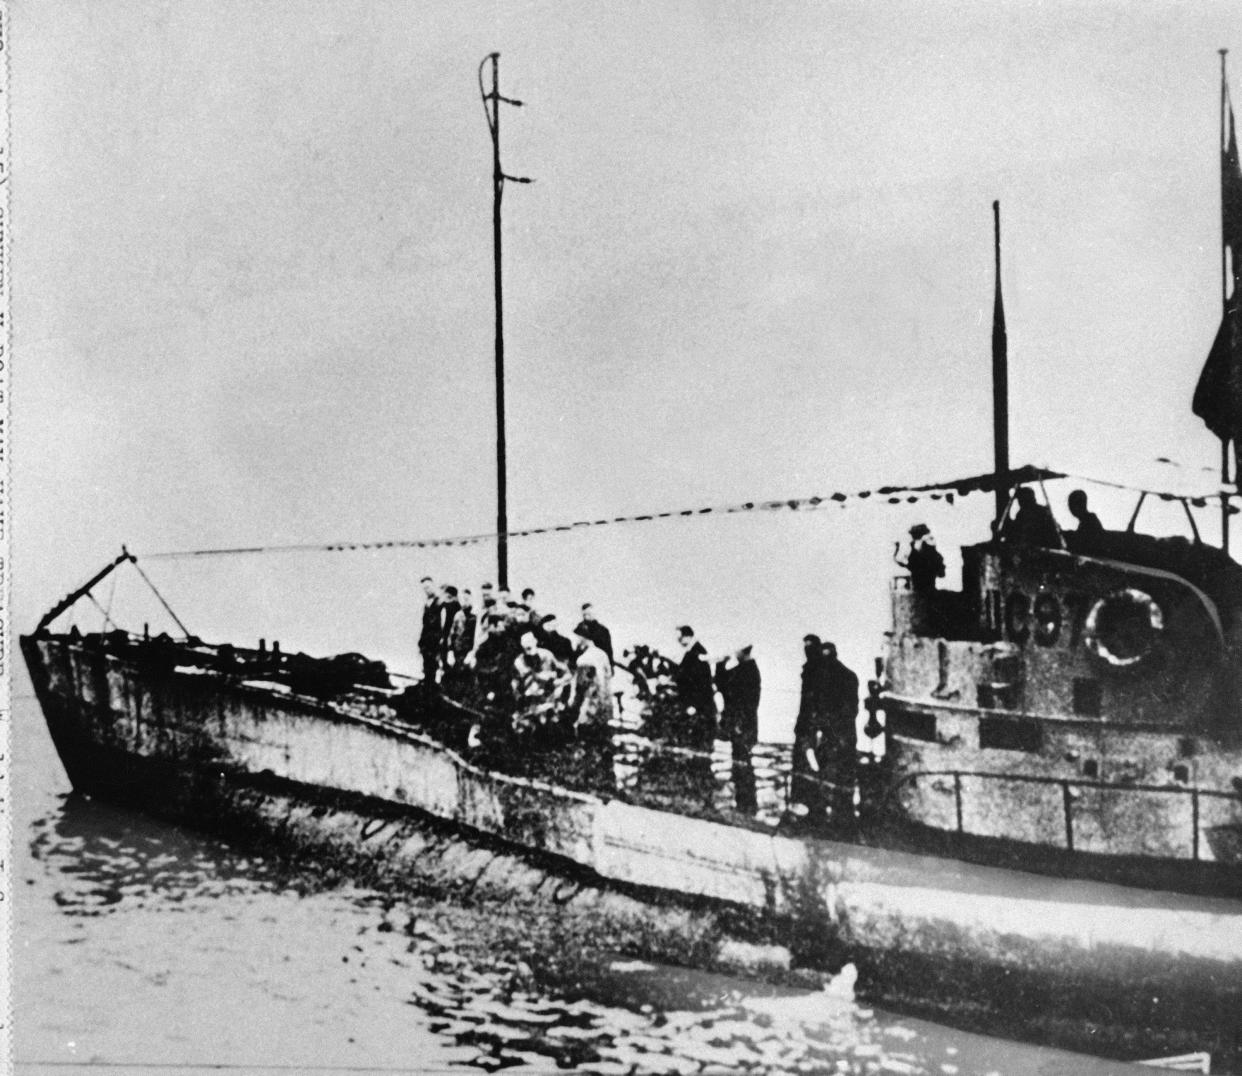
(141, 946)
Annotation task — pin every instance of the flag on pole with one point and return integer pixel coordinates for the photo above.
(1218, 395)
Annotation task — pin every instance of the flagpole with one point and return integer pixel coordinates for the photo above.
(1000, 389)
(491, 105)
(1224, 301)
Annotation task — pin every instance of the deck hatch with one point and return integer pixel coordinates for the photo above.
(1010, 734)
(913, 725)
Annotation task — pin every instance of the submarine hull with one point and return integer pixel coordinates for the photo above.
(1110, 969)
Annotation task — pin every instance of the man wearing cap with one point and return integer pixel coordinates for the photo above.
(838, 749)
(810, 729)
(924, 562)
(695, 691)
(737, 677)
(595, 631)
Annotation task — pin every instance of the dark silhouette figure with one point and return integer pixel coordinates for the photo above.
(810, 728)
(838, 750)
(737, 677)
(553, 641)
(696, 692)
(449, 608)
(1032, 524)
(924, 562)
(1090, 531)
(429, 639)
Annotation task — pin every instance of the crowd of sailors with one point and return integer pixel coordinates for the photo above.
(508, 655)
(511, 656)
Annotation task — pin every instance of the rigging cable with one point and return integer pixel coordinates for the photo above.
(167, 608)
(946, 491)
(107, 619)
(111, 598)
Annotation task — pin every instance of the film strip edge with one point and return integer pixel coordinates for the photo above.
(6, 711)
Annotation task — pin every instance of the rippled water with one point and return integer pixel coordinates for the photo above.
(141, 946)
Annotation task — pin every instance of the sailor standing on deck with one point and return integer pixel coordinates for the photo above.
(1033, 523)
(595, 631)
(737, 676)
(550, 638)
(462, 631)
(924, 562)
(432, 632)
(591, 705)
(925, 565)
(810, 729)
(695, 692)
(449, 608)
(1089, 534)
(838, 751)
(696, 698)
(592, 702)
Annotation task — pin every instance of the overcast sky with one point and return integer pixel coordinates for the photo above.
(252, 289)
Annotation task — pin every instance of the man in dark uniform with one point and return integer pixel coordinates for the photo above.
(1088, 534)
(1033, 523)
(595, 631)
(926, 566)
(429, 639)
(449, 608)
(924, 562)
(695, 691)
(838, 750)
(554, 642)
(737, 677)
(810, 728)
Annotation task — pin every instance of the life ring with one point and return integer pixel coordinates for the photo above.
(1123, 627)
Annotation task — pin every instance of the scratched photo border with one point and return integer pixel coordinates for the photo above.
(7, 876)
(7, 631)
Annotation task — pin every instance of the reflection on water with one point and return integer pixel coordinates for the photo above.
(104, 855)
(143, 943)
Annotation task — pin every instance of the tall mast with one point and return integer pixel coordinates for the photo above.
(491, 106)
(1000, 388)
(1224, 302)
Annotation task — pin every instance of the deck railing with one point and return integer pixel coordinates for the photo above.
(778, 781)
(1068, 787)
